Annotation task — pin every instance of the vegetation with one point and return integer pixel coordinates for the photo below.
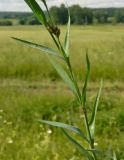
(79, 15)
(6, 23)
(68, 76)
(31, 90)
(89, 151)
(23, 102)
(105, 44)
(33, 100)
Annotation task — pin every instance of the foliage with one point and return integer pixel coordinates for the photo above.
(119, 15)
(79, 15)
(22, 21)
(5, 23)
(27, 64)
(23, 102)
(59, 14)
(89, 151)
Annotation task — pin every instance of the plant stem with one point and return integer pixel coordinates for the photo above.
(48, 13)
(55, 41)
(73, 78)
(70, 70)
(88, 131)
(67, 60)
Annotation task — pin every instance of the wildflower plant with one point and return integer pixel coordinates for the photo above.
(89, 152)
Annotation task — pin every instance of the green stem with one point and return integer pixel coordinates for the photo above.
(48, 12)
(67, 60)
(88, 131)
(73, 78)
(54, 39)
(70, 70)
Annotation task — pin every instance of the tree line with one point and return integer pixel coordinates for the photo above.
(83, 16)
(79, 16)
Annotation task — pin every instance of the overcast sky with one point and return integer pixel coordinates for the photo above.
(19, 5)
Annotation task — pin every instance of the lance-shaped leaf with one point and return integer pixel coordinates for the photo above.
(86, 80)
(37, 11)
(39, 47)
(79, 146)
(66, 126)
(114, 156)
(67, 36)
(63, 74)
(93, 117)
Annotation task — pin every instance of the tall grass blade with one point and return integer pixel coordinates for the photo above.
(67, 36)
(37, 11)
(66, 126)
(86, 80)
(114, 156)
(39, 47)
(93, 117)
(63, 74)
(78, 146)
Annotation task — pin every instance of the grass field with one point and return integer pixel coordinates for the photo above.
(105, 44)
(30, 89)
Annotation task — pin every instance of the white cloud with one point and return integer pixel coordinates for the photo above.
(20, 5)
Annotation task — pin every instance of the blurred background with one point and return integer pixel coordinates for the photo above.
(30, 89)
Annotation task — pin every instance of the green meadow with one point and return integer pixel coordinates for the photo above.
(30, 89)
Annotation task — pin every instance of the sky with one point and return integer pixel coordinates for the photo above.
(20, 5)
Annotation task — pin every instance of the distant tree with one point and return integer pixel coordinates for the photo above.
(76, 14)
(54, 11)
(112, 20)
(22, 21)
(119, 15)
(87, 16)
(81, 15)
(33, 21)
(101, 15)
(59, 14)
(63, 14)
(6, 23)
(6, 17)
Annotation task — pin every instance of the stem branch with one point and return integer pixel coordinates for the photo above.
(89, 133)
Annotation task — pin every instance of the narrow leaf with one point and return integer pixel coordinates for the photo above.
(66, 126)
(114, 156)
(39, 47)
(37, 11)
(63, 74)
(93, 117)
(78, 146)
(67, 36)
(86, 80)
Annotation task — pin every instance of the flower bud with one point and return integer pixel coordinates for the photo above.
(54, 30)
